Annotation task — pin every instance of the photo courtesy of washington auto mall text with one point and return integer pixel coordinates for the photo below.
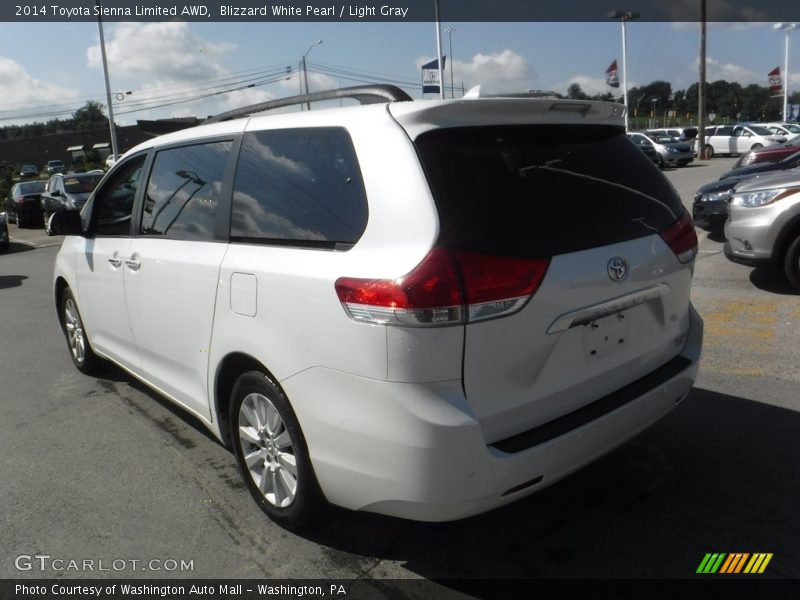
(202, 588)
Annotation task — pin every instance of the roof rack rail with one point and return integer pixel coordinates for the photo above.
(365, 94)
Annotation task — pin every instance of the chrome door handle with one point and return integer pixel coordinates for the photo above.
(115, 262)
(133, 264)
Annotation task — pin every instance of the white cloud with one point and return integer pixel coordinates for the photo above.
(316, 82)
(500, 71)
(19, 91)
(731, 72)
(245, 97)
(170, 61)
(163, 52)
(164, 63)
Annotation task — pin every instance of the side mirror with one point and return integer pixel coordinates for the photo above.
(66, 222)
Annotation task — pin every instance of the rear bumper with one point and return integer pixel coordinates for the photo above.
(28, 209)
(414, 450)
(677, 158)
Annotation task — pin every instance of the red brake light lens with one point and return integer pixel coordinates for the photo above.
(445, 288)
(681, 238)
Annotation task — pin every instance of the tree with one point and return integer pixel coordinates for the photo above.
(89, 116)
(575, 92)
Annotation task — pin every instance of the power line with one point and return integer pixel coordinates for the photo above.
(239, 83)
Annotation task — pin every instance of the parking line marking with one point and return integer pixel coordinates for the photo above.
(32, 244)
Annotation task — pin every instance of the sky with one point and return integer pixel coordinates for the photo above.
(48, 70)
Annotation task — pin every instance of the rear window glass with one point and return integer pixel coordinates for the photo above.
(543, 190)
(32, 187)
(299, 187)
(760, 130)
(81, 185)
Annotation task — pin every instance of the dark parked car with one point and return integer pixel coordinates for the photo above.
(789, 161)
(23, 203)
(67, 192)
(768, 154)
(4, 240)
(28, 171)
(710, 206)
(55, 166)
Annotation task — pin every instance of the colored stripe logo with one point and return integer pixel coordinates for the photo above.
(734, 563)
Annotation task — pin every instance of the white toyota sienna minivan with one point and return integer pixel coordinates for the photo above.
(425, 309)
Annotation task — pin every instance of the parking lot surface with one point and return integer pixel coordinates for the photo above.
(102, 468)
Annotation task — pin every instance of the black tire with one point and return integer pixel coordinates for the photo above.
(47, 229)
(709, 150)
(791, 263)
(20, 223)
(277, 451)
(80, 350)
(660, 162)
(756, 146)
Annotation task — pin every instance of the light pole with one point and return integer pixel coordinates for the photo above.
(449, 31)
(624, 16)
(788, 27)
(305, 72)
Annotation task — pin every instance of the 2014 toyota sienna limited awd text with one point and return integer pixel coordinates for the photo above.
(425, 309)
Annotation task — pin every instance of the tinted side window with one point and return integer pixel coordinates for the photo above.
(299, 187)
(725, 131)
(183, 191)
(113, 204)
(543, 190)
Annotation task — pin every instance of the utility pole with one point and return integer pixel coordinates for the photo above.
(701, 89)
(111, 128)
(305, 71)
(449, 31)
(439, 50)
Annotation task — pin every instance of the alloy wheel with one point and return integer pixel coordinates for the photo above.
(268, 450)
(76, 337)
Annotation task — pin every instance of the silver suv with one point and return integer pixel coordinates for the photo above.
(424, 309)
(763, 226)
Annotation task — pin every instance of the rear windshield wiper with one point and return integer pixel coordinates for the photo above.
(523, 172)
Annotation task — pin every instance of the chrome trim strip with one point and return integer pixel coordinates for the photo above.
(582, 316)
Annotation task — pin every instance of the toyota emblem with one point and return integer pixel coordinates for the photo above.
(617, 269)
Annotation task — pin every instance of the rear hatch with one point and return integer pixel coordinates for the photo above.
(613, 302)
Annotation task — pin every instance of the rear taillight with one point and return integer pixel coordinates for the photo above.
(681, 238)
(446, 288)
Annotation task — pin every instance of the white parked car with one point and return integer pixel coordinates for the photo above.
(424, 309)
(787, 130)
(738, 139)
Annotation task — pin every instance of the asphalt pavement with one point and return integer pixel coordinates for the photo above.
(104, 469)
